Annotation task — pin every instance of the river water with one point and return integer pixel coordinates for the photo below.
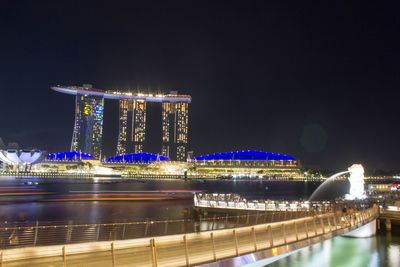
(118, 200)
(380, 250)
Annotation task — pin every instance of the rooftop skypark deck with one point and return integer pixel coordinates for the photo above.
(113, 94)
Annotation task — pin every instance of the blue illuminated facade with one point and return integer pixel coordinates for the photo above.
(138, 158)
(69, 156)
(246, 155)
(88, 127)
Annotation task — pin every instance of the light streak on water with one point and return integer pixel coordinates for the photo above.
(106, 199)
(138, 191)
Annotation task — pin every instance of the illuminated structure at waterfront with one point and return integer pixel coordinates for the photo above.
(175, 129)
(69, 156)
(88, 128)
(20, 159)
(249, 163)
(137, 158)
(89, 109)
(132, 126)
(247, 158)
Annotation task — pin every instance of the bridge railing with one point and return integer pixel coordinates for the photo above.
(236, 202)
(28, 234)
(197, 248)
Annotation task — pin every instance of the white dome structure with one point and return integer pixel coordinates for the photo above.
(20, 157)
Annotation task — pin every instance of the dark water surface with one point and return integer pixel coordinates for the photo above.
(74, 199)
(380, 250)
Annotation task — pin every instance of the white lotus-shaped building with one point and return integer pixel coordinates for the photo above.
(20, 157)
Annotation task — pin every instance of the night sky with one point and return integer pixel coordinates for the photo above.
(318, 81)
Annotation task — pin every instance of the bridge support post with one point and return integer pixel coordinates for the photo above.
(284, 233)
(98, 232)
(295, 229)
(236, 242)
(113, 254)
(166, 226)
(335, 221)
(388, 224)
(329, 223)
(64, 257)
(378, 223)
(322, 224)
(253, 231)
(306, 226)
(213, 246)
(186, 250)
(36, 232)
(123, 231)
(147, 227)
(212, 227)
(153, 252)
(271, 237)
(343, 221)
(315, 226)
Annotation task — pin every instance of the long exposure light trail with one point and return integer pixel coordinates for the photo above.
(106, 199)
(101, 194)
(24, 193)
(138, 191)
(18, 189)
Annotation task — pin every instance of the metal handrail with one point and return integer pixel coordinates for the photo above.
(207, 246)
(22, 234)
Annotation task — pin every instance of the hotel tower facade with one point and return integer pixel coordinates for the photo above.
(89, 110)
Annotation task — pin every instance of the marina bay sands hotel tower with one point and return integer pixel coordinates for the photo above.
(88, 127)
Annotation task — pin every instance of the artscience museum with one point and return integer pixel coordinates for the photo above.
(20, 159)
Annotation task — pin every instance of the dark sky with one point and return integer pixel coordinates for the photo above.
(317, 81)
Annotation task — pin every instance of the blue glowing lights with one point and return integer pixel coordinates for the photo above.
(137, 158)
(69, 156)
(246, 155)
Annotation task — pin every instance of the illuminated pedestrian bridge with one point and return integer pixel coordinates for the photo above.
(221, 238)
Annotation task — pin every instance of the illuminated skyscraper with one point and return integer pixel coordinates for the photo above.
(132, 126)
(175, 129)
(88, 129)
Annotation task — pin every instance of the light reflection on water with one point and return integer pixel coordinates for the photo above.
(35, 208)
(380, 250)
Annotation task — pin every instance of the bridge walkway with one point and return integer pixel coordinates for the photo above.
(190, 249)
